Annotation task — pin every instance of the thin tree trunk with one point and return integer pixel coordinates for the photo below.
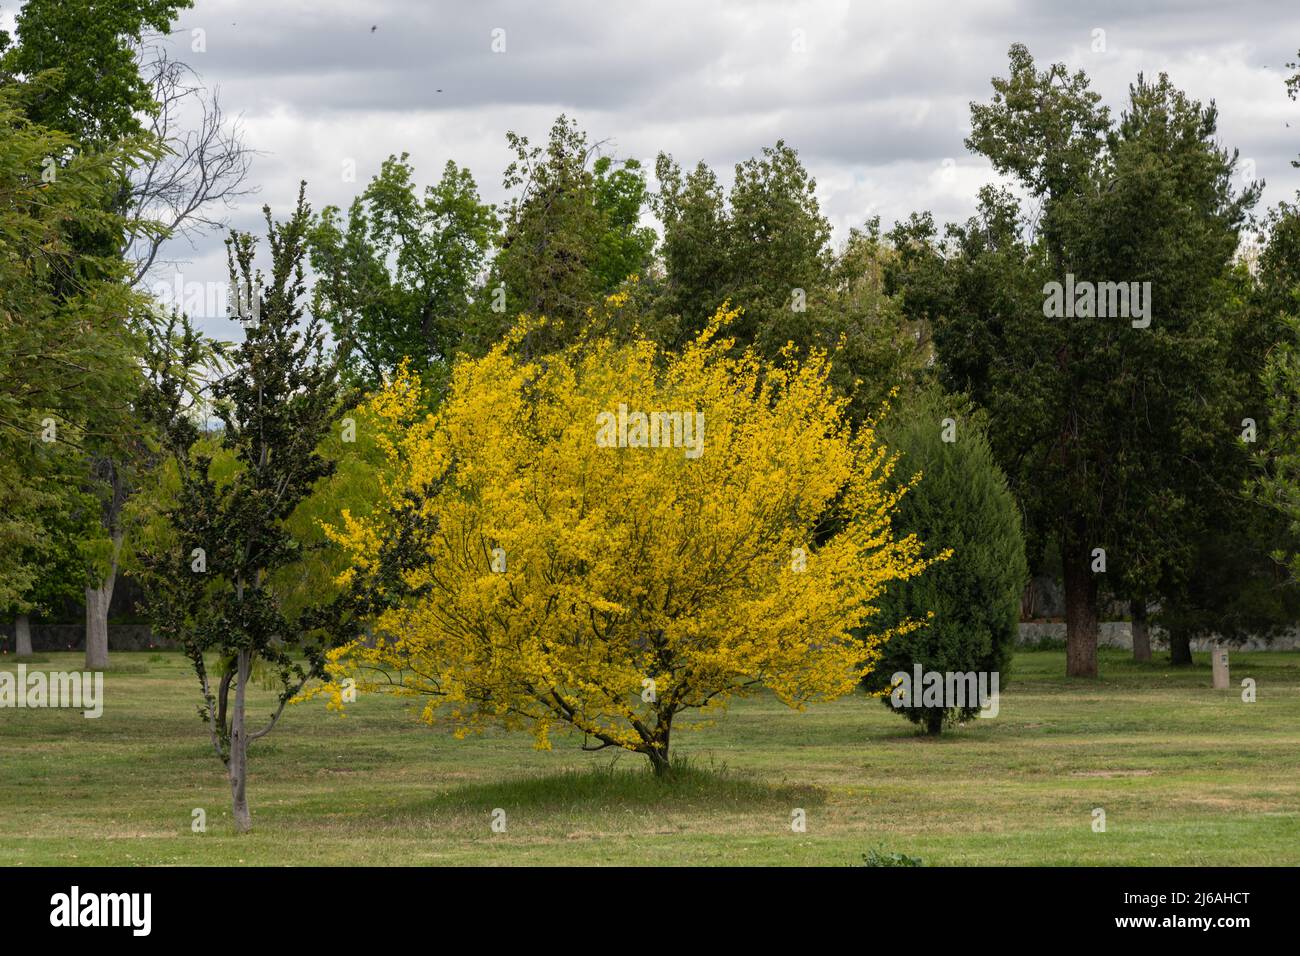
(22, 636)
(658, 751)
(239, 750)
(1180, 648)
(1141, 630)
(1080, 607)
(934, 722)
(659, 762)
(98, 600)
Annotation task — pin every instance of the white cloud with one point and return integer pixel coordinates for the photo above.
(876, 104)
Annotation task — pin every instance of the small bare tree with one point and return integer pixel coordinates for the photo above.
(201, 173)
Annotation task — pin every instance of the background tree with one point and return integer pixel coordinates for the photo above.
(1231, 585)
(961, 503)
(96, 92)
(397, 280)
(765, 248)
(63, 350)
(1235, 590)
(562, 581)
(1276, 305)
(695, 251)
(95, 74)
(1278, 300)
(625, 245)
(1177, 396)
(212, 591)
(1093, 419)
(570, 234)
(767, 240)
(55, 552)
(876, 348)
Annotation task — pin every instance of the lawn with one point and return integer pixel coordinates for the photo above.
(1186, 775)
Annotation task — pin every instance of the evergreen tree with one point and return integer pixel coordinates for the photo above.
(214, 590)
(960, 503)
(1094, 416)
(570, 236)
(765, 248)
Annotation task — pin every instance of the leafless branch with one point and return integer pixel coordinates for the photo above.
(203, 171)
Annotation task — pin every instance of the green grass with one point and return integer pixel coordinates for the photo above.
(1187, 776)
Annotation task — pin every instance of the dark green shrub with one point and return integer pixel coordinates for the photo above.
(961, 503)
(881, 858)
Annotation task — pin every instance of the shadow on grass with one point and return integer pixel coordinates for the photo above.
(627, 786)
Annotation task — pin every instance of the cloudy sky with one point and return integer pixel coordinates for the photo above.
(875, 96)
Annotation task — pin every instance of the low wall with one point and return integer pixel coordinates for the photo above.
(72, 637)
(137, 637)
(1120, 634)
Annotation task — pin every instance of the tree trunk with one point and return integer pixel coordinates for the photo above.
(1080, 608)
(239, 750)
(659, 762)
(98, 600)
(934, 722)
(22, 636)
(658, 749)
(1180, 648)
(1141, 630)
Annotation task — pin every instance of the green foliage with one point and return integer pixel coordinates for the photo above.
(875, 346)
(67, 345)
(396, 281)
(779, 243)
(278, 404)
(624, 246)
(571, 235)
(1235, 584)
(95, 93)
(1277, 303)
(764, 247)
(76, 67)
(877, 856)
(960, 503)
(1235, 589)
(1093, 419)
(756, 248)
(978, 290)
(52, 558)
(1045, 128)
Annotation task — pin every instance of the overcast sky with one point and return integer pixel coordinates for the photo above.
(875, 96)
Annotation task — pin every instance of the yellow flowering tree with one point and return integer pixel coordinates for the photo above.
(610, 536)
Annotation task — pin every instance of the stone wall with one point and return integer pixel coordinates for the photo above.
(137, 637)
(72, 637)
(1120, 634)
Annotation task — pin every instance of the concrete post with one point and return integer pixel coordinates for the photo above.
(1219, 658)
